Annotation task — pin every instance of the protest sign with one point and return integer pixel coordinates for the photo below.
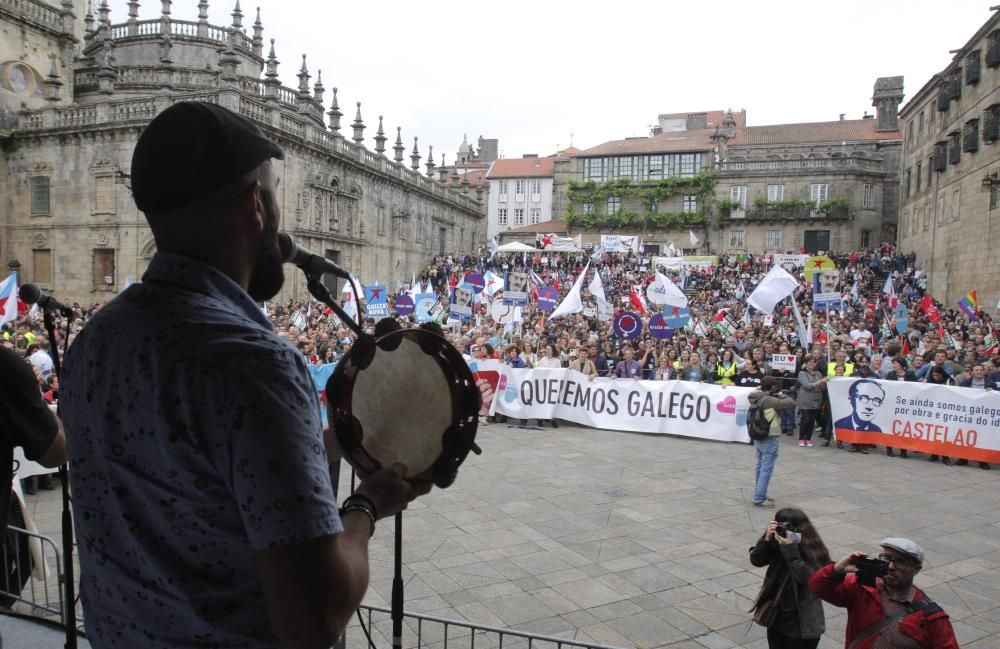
(548, 297)
(791, 262)
(658, 327)
(515, 288)
(619, 243)
(665, 407)
(476, 281)
(926, 417)
(376, 302)
(462, 298)
(676, 317)
(686, 262)
(628, 325)
(422, 305)
(404, 305)
(783, 362)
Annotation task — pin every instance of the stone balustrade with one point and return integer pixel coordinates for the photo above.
(35, 11)
(293, 126)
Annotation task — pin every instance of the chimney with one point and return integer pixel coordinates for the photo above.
(842, 116)
(886, 99)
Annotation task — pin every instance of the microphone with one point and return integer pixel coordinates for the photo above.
(293, 253)
(31, 294)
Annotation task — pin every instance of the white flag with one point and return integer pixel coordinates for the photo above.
(429, 288)
(694, 239)
(493, 282)
(604, 311)
(573, 302)
(664, 291)
(350, 299)
(775, 287)
(672, 250)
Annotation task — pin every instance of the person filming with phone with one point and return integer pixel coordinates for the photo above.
(885, 610)
(792, 550)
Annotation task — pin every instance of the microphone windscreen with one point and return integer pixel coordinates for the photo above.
(30, 293)
(287, 247)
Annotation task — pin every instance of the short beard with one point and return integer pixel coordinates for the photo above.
(268, 274)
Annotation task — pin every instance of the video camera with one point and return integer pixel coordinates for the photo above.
(869, 568)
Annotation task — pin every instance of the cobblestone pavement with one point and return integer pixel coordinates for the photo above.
(641, 541)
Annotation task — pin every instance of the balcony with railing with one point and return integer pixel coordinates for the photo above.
(745, 167)
(35, 11)
(832, 210)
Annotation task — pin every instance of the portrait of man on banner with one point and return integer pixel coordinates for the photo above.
(515, 288)
(866, 398)
(461, 302)
(826, 290)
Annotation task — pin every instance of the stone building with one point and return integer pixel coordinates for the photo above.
(520, 193)
(76, 93)
(950, 180)
(813, 186)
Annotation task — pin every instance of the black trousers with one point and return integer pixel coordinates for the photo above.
(777, 641)
(807, 423)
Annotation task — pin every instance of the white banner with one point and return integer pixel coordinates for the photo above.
(935, 419)
(665, 407)
(790, 262)
(688, 261)
(619, 243)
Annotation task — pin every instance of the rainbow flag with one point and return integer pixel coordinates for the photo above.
(969, 304)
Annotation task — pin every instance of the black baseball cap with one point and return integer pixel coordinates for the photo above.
(190, 151)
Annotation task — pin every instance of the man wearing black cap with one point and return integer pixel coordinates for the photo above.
(892, 614)
(204, 507)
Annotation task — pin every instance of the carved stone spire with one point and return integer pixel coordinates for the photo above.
(237, 17)
(271, 81)
(318, 91)
(258, 35)
(104, 20)
(335, 114)
(430, 162)
(359, 127)
(53, 83)
(380, 138)
(442, 171)
(303, 76)
(398, 147)
(415, 156)
(202, 11)
(88, 22)
(133, 10)
(165, 16)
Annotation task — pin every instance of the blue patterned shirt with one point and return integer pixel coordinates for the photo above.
(195, 439)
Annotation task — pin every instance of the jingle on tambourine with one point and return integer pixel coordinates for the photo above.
(404, 396)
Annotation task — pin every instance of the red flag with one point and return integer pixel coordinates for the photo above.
(927, 306)
(636, 300)
(555, 282)
(906, 346)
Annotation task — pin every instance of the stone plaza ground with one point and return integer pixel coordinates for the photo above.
(642, 541)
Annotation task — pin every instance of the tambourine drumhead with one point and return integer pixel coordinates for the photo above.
(406, 397)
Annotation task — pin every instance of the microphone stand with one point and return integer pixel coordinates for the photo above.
(69, 607)
(319, 291)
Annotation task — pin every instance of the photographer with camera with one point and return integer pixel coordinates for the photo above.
(792, 551)
(884, 609)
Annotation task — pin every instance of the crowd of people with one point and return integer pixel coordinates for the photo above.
(184, 392)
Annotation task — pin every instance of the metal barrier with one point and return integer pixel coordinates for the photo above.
(42, 597)
(438, 632)
(25, 554)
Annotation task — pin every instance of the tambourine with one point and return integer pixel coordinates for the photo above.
(404, 396)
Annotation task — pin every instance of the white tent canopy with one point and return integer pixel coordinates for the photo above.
(516, 246)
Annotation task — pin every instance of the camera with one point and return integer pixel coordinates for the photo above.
(869, 568)
(783, 529)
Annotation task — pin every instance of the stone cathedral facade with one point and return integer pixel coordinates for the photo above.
(76, 90)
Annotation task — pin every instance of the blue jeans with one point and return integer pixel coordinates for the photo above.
(767, 457)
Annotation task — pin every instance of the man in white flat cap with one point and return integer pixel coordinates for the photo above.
(891, 614)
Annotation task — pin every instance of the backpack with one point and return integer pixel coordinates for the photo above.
(758, 425)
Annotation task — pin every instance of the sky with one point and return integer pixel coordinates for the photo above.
(544, 74)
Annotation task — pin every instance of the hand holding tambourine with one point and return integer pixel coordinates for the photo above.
(404, 397)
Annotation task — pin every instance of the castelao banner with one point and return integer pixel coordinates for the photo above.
(935, 419)
(663, 407)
